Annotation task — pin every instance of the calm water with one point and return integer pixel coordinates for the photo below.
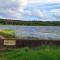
(35, 31)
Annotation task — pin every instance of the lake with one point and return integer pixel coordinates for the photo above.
(41, 32)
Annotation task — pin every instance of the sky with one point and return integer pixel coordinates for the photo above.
(30, 10)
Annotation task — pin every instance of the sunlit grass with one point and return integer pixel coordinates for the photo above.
(38, 53)
(7, 33)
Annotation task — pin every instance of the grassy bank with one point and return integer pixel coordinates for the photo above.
(38, 53)
(7, 33)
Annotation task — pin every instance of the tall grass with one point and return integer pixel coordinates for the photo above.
(38, 53)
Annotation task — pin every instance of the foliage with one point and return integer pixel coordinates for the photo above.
(37, 53)
(29, 23)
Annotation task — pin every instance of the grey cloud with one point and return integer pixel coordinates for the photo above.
(11, 9)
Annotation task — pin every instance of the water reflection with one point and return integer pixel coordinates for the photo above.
(35, 31)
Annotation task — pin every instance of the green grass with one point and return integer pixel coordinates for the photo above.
(38, 53)
(7, 33)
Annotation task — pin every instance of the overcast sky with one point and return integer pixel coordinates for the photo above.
(42, 10)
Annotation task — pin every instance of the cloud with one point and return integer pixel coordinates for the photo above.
(38, 13)
(22, 5)
(30, 9)
(44, 1)
(28, 12)
(1, 16)
(43, 12)
(12, 8)
(55, 13)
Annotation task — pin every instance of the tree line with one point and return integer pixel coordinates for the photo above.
(29, 23)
